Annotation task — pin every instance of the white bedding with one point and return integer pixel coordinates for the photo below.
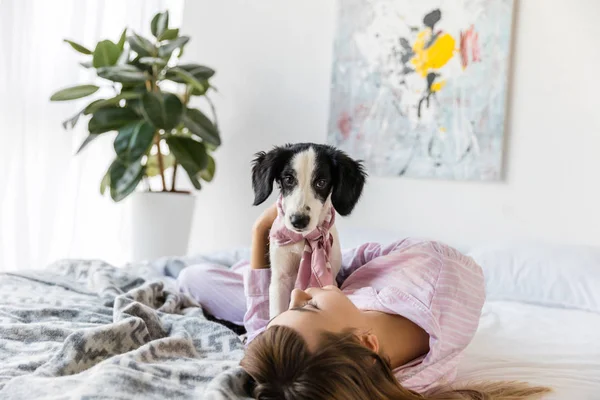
(553, 347)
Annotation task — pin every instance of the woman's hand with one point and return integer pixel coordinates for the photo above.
(259, 257)
(263, 223)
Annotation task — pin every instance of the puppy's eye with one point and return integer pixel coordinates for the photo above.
(321, 183)
(288, 180)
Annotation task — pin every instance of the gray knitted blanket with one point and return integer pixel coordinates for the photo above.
(87, 330)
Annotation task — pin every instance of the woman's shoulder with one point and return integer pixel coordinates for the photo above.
(439, 270)
(447, 292)
(443, 256)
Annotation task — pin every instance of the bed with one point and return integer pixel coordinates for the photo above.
(85, 329)
(548, 346)
(541, 321)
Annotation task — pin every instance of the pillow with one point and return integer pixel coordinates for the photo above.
(551, 275)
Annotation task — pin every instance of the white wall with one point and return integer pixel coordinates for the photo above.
(274, 60)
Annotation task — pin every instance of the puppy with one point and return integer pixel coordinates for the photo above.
(312, 179)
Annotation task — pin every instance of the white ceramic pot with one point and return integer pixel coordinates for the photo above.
(162, 222)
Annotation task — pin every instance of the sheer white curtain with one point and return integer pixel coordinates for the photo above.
(50, 204)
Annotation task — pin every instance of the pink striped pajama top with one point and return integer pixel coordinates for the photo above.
(431, 284)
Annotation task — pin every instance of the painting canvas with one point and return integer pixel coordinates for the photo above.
(419, 87)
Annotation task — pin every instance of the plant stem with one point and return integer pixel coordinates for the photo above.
(161, 165)
(157, 137)
(174, 177)
(154, 79)
(185, 101)
(186, 96)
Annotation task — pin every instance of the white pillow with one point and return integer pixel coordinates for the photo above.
(551, 275)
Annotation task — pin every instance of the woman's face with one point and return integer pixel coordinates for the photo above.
(316, 310)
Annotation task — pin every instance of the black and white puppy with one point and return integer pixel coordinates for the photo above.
(312, 178)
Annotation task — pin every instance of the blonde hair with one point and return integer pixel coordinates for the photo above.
(341, 368)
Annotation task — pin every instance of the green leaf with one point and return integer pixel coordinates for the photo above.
(113, 101)
(78, 47)
(106, 54)
(208, 173)
(190, 154)
(134, 87)
(91, 137)
(142, 67)
(166, 49)
(86, 64)
(210, 147)
(105, 182)
(159, 62)
(183, 76)
(201, 126)
(200, 72)
(74, 92)
(71, 122)
(110, 119)
(153, 167)
(154, 24)
(169, 34)
(163, 110)
(134, 140)
(197, 92)
(123, 73)
(195, 181)
(121, 42)
(124, 56)
(92, 106)
(136, 106)
(142, 46)
(159, 24)
(124, 178)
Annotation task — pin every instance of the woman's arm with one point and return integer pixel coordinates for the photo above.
(259, 257)
(259, 253)
(258, 278)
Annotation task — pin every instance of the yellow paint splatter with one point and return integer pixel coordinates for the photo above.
(435, 56)
(437, 86)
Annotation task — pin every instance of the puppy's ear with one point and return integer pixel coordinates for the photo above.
(350, 179)
(265, 168)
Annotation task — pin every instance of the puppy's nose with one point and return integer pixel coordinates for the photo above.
(299, 221)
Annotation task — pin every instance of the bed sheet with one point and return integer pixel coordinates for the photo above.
(554, 347)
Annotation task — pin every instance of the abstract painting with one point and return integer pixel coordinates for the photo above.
(419, 87)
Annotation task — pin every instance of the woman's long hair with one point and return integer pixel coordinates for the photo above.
(341, 368)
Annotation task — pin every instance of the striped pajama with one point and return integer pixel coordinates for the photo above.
(433, 285)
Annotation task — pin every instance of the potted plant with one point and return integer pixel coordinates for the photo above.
(158, 133)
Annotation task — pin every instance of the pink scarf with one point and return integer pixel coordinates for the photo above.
(315, 269)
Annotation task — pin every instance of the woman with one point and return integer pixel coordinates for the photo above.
(395, 329)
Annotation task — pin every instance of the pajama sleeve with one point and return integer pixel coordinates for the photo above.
(256, 290)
